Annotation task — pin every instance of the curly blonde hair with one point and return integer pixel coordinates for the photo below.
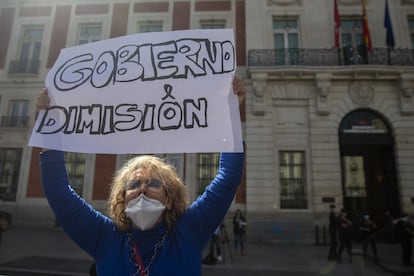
(175, 190)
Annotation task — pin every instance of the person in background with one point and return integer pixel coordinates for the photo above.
(368, 228)
(4, 224)
(404, 232)
(215, 243)
(333, 237)
(344, 234)
(92, 270)
(239, 229)
(151, 228)
(389, 227)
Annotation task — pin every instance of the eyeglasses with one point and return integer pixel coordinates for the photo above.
(152, 184)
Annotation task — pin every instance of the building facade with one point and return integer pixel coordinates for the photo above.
(33, 33)
(327, 119)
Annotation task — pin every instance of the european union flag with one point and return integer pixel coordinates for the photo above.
(387, 24)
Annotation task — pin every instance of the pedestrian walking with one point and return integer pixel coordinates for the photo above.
(344, 234)
(333, 237)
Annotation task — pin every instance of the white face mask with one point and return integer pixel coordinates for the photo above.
(144, 212)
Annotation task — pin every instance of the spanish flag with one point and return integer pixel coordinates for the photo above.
(366, 37)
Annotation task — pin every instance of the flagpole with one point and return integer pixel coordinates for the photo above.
(389, 55)
(388, 46)
(340, 48)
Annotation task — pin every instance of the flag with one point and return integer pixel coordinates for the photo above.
(337, 25)
(366, 37)
(387, 24)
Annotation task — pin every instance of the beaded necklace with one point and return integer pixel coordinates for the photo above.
(134, 255)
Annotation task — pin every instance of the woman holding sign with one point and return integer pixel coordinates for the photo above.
(151, 228)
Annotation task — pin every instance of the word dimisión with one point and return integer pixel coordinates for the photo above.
(98, 119)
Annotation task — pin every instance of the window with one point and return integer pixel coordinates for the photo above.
(411, 27)
(75, 165)
(292, 180)
(354, 50)
(89, 33)
(18, 114)
(149, 26)
(212, 24)
(10, 159)
(176, 160)
(28, 59)
(286, 41)
(354, 174)
(207, 164)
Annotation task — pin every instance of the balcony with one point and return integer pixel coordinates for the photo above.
(14, 121)
(330, 57)
(24, 66)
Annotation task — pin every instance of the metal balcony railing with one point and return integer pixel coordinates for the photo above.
(14, 121)
(330, 57)
(24, 66)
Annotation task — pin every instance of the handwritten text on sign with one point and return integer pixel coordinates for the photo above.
(151, 92)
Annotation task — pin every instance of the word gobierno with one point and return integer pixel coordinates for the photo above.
(198, 57)
(147, 62)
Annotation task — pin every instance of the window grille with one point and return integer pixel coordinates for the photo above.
(292, 170)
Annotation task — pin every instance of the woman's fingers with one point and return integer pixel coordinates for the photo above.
(42, 101)
(239, 88)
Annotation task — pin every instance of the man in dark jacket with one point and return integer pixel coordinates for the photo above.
(404, 232)
(367, 229)
(345, 235)
(332, 233)
(5, 219)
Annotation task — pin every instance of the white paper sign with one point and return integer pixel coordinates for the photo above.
(166, 92)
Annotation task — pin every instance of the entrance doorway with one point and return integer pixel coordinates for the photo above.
(369, 179)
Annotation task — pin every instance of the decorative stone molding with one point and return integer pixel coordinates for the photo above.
(407, 2)
(361, 93)
(284, 2)
(259, 86)
(351, 2)
(406, 95)
(289, 91)
(323, 84)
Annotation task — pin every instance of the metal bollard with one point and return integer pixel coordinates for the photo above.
(324, 235)
(358, 262)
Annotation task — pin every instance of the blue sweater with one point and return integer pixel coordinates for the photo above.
(97, 234)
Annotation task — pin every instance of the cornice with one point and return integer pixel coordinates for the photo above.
(345, 73)
(352, 2)
(362, 81)
(407, 2)
(284, 2)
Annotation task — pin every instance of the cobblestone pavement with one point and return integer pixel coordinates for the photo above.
(35, 251)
